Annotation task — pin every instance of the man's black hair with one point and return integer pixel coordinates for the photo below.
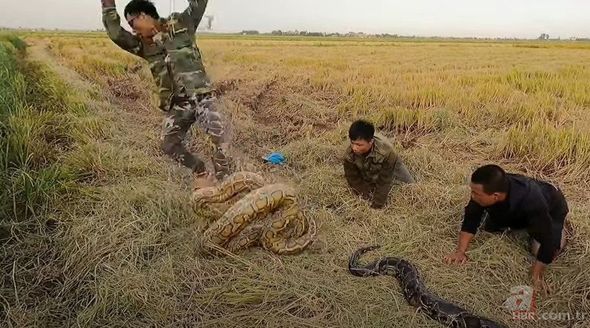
(136, 7)
(361, 130)
(492, 178)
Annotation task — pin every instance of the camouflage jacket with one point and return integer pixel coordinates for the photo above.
(373, 172)
(174, 58)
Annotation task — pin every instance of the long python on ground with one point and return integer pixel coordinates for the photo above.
(244, 224)
(416, 293)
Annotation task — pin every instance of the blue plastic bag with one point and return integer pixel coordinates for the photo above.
(275, 158)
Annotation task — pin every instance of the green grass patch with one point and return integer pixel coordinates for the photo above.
(37, 119)
(42, 122)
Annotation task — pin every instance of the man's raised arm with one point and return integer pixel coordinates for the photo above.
(112, 23)
(195, 11)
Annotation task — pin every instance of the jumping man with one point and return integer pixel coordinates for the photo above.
(186, 93)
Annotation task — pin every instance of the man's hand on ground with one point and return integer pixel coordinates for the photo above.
(538, 276)
(457, 257)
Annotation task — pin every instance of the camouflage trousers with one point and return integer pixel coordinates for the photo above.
(199, 109)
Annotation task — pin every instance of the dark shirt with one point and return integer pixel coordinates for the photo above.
(531, 204)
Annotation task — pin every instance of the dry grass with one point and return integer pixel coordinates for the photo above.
(127, 254)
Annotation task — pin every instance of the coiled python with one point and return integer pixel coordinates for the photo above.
(244, 224)
(416, 293)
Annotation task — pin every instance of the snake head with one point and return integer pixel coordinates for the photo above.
(354, 267)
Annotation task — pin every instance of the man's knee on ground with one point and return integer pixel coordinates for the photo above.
(402, 174)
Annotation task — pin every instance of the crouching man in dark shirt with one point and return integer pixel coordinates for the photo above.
(510, 201)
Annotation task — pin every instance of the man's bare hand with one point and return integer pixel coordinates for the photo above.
(457, 257)
(538, 276)
(107, 3)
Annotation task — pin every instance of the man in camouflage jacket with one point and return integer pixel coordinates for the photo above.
(371, 166)
(186, 93)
